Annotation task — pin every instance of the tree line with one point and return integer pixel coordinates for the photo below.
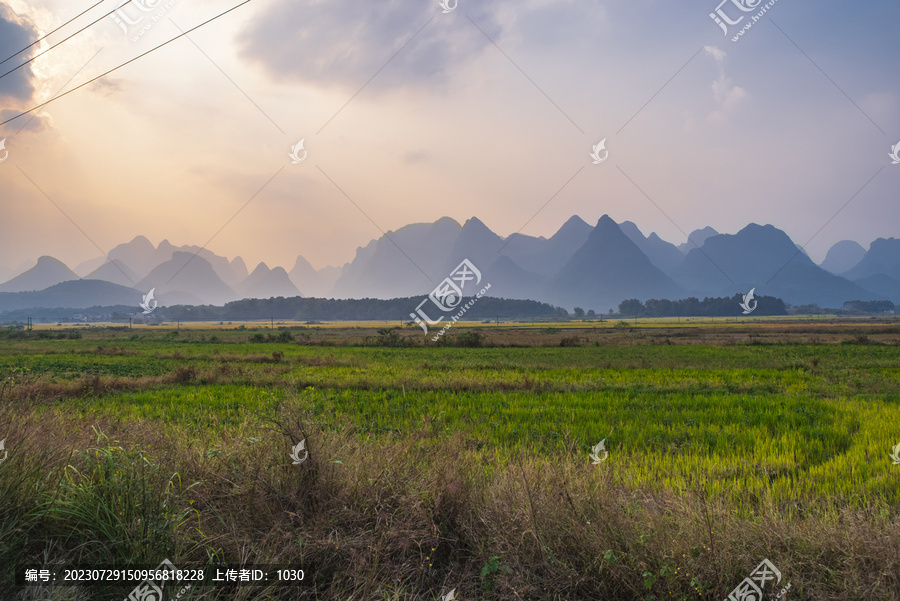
(365, 309)
(694, 307)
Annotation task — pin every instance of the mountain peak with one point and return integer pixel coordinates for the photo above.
(141, 240)
(697, 238)
(48, 260)
(606, 222)
(575, 220)
(48, 272)
(574, 225)
(765, 234)
(267, 283)
(474, 223)
(843, 256)
(447, 220)
(302, 264)
(608, 269)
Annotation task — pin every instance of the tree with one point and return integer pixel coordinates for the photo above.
(631, 307)
(579, 313)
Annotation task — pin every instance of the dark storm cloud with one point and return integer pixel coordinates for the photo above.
(15, 33)
(345, 42)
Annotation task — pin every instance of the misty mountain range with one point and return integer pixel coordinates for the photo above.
(594, 267)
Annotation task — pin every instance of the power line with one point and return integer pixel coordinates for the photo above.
(90, 81)
(43, 37)
(63, 41)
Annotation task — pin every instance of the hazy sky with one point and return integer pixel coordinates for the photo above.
(490, 110)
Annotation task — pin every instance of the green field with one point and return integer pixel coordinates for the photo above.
(450, 467)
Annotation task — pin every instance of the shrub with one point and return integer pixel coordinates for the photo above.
(184, 375)
(283, 336)
(471, 339)
(389, 337)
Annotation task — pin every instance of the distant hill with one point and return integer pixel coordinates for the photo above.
(267, 283)
(86, 267)
(546, 256)
(580, 265)
(115, 271)
(510, 280)
(697, 238)
(663, 254)
(843, 256)
(46, 273)
(188, 277)
(608, 269)
(312, 282)
(74, 294)
(416, 258)
(239, 269)
(141, 257)
(765, 258)
(410, 261)
(882, 257)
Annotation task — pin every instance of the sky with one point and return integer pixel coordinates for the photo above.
(408, 114)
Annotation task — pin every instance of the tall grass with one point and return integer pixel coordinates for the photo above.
(411, 516)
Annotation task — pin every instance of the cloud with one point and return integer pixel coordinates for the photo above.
(108, 86)
(32, 122)
(16, 32)
(726, 94)
(717, 53)
(343, 43)
(416, 156)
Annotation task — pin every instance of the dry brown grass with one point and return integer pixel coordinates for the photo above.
(415, 515)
